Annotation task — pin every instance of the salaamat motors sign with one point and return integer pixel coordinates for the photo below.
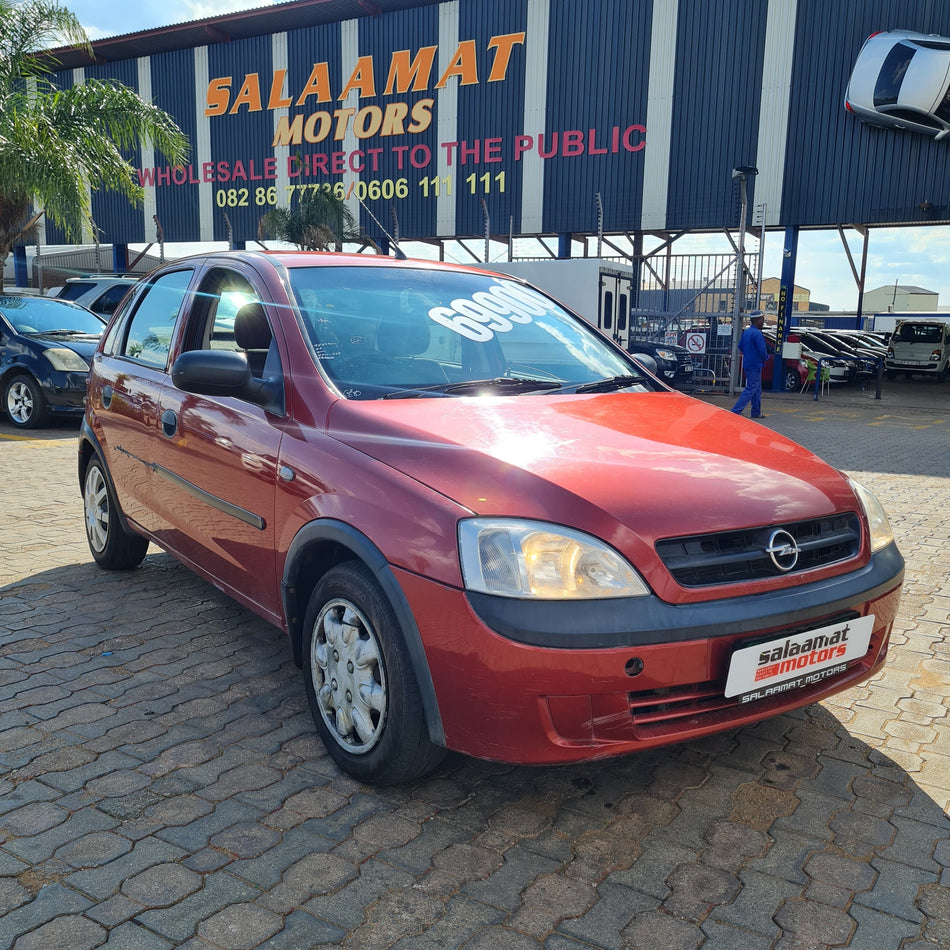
(762, 670)
(383, 133)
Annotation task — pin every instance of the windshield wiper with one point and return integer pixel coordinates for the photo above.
(499, 384)
(608, 385)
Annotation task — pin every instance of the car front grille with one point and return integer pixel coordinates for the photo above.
(732, 557)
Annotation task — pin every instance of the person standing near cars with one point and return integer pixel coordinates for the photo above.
(754, 355)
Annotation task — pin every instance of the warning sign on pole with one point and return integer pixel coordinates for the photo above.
(696, 342)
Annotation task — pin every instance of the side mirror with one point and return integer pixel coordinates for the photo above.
(226, 373)
(646, 361)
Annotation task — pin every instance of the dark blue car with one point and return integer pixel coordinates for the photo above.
(46, 348)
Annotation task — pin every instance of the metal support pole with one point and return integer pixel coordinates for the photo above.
(786, 299)
(758, 290)
(742, 173)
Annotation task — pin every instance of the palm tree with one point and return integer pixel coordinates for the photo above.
(56, 144)
(321, 221)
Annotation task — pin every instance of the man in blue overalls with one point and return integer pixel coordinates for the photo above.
(754, 355)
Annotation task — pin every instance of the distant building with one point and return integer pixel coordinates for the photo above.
(771, 288)
(899, 298)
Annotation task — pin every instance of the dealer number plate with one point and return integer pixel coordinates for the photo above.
(803, 659)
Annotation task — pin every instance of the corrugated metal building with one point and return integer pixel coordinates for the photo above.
(522, 117)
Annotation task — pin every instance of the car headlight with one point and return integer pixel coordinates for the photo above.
(67, 361)
(666, 354)
(515, 558)
(880, 527)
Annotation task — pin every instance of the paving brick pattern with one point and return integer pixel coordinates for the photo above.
(161, 784)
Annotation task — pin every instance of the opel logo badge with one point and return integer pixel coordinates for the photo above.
(783, 549)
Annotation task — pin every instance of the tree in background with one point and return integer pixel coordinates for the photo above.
(57, 144)
(320, 221)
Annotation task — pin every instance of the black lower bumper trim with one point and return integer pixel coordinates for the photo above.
(640, 621)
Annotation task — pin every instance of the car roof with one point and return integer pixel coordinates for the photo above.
(925, 80)
(296, 258)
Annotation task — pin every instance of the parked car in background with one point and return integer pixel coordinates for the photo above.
(864, 341)
(45, 350)
(794, 371)
(674, 364)
(901, 79)
(840, 370)
(864, 362)
(100, 293)
(919, 347)
(481, 523)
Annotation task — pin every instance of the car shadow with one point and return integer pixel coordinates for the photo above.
(169, 707)
(56, 430)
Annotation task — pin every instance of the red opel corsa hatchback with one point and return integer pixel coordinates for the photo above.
(482, 525)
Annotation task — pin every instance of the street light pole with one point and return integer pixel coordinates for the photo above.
(741, 172)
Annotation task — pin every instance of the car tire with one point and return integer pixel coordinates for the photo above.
(111, 545)
(24, 402)
(360, 683)
(793, 381)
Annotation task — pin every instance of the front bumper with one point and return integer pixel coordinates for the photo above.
(65, 393)
(587, 690)
(913, 366)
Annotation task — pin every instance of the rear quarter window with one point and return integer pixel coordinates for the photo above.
(150, 331)
(891, 77)
(74, 291)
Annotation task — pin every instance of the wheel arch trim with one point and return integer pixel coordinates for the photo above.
(343, 535)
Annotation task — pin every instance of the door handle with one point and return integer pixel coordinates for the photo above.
(107, 394)
(169, 423)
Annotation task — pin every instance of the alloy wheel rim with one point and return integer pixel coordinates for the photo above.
(20, 403)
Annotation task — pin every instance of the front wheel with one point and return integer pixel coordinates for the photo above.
(109, 543)
(360, 683)
(25, 403)
(793, 381)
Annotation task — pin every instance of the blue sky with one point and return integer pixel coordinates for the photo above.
(910, 256)
(103, 18)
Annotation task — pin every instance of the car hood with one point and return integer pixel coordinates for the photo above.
(82, 343)
(630, 468)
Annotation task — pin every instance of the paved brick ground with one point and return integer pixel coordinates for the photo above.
(161, 785)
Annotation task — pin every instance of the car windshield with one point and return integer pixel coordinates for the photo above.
(41, 315)
(399, 331)
(917, 333)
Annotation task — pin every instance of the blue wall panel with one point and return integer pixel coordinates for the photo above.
(598, 72)
(173, 89)
(242, 139)
(404, 159)
(318, 44)
(839, 169)
(110, 205)
(489, 111)
(719, 54)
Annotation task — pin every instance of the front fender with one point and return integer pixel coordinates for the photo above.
(330, 534)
